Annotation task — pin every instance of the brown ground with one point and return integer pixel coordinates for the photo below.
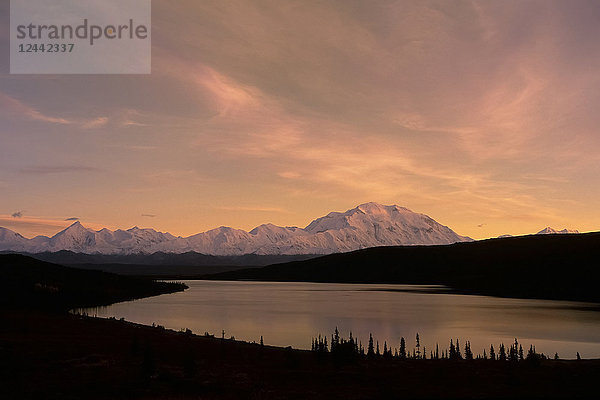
(57, 356)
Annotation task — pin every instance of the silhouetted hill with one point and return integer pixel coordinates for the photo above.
(191, 259)
(537, 266)
(31, 283)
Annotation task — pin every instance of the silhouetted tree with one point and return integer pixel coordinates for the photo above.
(492, 353)
(468, 352)
(261, 341)
(502, 354)
(530, 352)
(513, 354)
(532, 356)
(418, 346)
(402, 348)
(458, 353)
(578, 356)
(521, 353)
(335, 340)
(452, 350)
(370, 349)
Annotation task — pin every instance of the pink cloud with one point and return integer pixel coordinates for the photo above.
(18, 107)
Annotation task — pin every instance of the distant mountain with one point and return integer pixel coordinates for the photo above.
(552, 231)
(368, 225)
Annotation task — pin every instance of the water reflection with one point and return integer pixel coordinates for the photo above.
(291, 313)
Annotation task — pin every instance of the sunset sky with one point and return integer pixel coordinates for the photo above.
(483, 115)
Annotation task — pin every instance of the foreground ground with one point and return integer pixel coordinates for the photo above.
(58, 356)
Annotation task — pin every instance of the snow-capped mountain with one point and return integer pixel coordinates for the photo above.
(552, 231)
(367, 225)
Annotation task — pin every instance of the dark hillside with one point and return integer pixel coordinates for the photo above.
(31, 283)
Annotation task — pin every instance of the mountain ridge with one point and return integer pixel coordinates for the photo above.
(551, 231)
(367, 225)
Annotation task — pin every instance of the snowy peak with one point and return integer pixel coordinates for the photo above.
(373, 224)
(75, 238)
(74, 229)
(10, 240)
(551, 231)
(367, 225)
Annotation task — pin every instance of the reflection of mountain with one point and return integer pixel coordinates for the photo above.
(368, 225)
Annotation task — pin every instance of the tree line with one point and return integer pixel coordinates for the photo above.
(349, 348)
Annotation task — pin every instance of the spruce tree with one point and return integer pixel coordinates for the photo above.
(530, 352)
(468, 352)
(336, 339)
(502, 355)
(370, 349)
(492, 353)
(402, 348)
(458, 354)
(521, 358)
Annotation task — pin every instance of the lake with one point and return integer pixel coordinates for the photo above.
(290, 314)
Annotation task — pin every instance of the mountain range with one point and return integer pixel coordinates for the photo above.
(365, 226)
(552, 231)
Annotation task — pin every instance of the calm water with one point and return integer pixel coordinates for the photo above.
(292, 313)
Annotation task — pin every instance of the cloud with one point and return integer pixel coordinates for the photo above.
(72, 219)
(17, 107)
(18, 214)
(95, 123)
(56, 169)
(253, 209)
(148, 215)
(481, 225)
(289, 174)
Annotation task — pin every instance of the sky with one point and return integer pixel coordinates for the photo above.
(482, 115)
